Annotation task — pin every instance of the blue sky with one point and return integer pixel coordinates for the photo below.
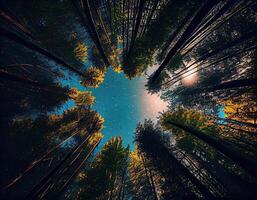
(118, 100)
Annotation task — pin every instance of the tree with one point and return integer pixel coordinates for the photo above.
(88, 21)
(142, 181)
(152, 143)
(81, 52)
(105, 172)
(35, 47)
(188, 31)
(56, 137)
(93, 77)
(170, 120)
(82, 99)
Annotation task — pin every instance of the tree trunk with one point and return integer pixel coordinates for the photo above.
(88, 22)
(15, 23)
(67, 182)
(222, 48)
(174, 35)
(179, 76)
(209, 30)
(135, 32)
(226, 86)
(37, 188)
(4, 75)
(35, 163)
(206, 8)
(150, 179)
(150, 16)
(250, 165)
(202, 188)
(34, 47)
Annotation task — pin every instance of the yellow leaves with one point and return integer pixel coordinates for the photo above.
(100, 119)
(93, 77)
(73, 93)
(120, 38)
(85, 99)
(240, 109)
(81, 52)
(95, 138)
(134, 156)
(118, 69)
(82, 98)
(54, 118)
(115, 60)
(82, 175)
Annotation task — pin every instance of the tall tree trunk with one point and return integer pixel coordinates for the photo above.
(205, 33)
(88, 22)
(4, 75)
(179, 76)
(128, 26)
(121, 190)
(35, 47)
(242, 160)
(225, 86)
(135, 32)
(209, 22)
(98, 15)
(222, 48)
(150, 179)
(35, 163)
(15, 23)
(206, 8)
(68, 181)
(174, 35)
(235, 186)
(202, 188)
(240, 123)
(37, 188)
(156, 2)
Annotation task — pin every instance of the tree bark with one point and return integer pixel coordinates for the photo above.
(206, 8)
(15, 23)
(37, 188)
(67, 182)
(226, 86)
(88, 21)
(135, 32)
(250, 165)
(34, 47)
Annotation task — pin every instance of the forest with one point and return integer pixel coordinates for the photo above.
(128, 99)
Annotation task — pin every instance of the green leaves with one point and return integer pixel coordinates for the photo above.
(104, 177)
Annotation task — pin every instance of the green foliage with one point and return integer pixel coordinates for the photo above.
(155, 87)
(144, 53)
(44, 17)
(193, 119)
(140, 187)
(175, 63)
(102, 180)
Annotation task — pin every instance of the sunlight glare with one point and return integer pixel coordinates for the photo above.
(151, 105)
(191, 76)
